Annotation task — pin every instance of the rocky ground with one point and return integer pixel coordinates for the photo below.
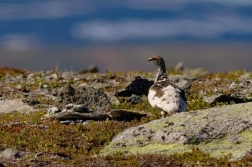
(90, 100)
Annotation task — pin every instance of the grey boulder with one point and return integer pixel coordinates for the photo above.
(218, 131)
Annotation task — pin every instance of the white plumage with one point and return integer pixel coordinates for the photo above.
(164, 95)
(169, 102)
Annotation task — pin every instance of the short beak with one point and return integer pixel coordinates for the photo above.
(150, 59)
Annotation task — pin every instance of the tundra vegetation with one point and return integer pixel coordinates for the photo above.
(54, 143)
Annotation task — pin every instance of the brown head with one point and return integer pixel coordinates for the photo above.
(157, 60)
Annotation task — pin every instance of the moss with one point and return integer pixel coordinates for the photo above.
(150, 148)
(226, 148)
(192, 158)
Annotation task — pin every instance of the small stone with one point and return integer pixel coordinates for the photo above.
(67, 90)
(69, 106)
(67, 122)
(134, 99)
(86, 122)
(241, 85)
(30, 77)
(53, 110)
(64, 110)
(79, 121)
(114, 101)
(54, 92)
(19, 87)
(179, 66)
(232, 85)
(49, 75)
(45, 86)
(67, 75)
(112, 98)
(81, 108)
(245, 76)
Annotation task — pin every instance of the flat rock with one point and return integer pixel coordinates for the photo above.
(79, 116)
(222, 98)
(117, 114)
(218, 131)
(122, 114)
(9, 106)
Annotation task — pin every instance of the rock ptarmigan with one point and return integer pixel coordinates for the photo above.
(163, 94)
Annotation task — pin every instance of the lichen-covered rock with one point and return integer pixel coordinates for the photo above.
(241, 89)
(95, 99)
(9, 153)
(218, 131)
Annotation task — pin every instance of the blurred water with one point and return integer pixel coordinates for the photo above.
(121, 35)
(214, 57)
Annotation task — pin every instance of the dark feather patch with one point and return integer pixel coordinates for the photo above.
(157, 86)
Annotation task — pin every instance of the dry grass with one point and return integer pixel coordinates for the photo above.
(11, 71)
(30, 132)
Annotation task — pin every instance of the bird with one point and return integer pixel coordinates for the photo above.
(163, 94)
